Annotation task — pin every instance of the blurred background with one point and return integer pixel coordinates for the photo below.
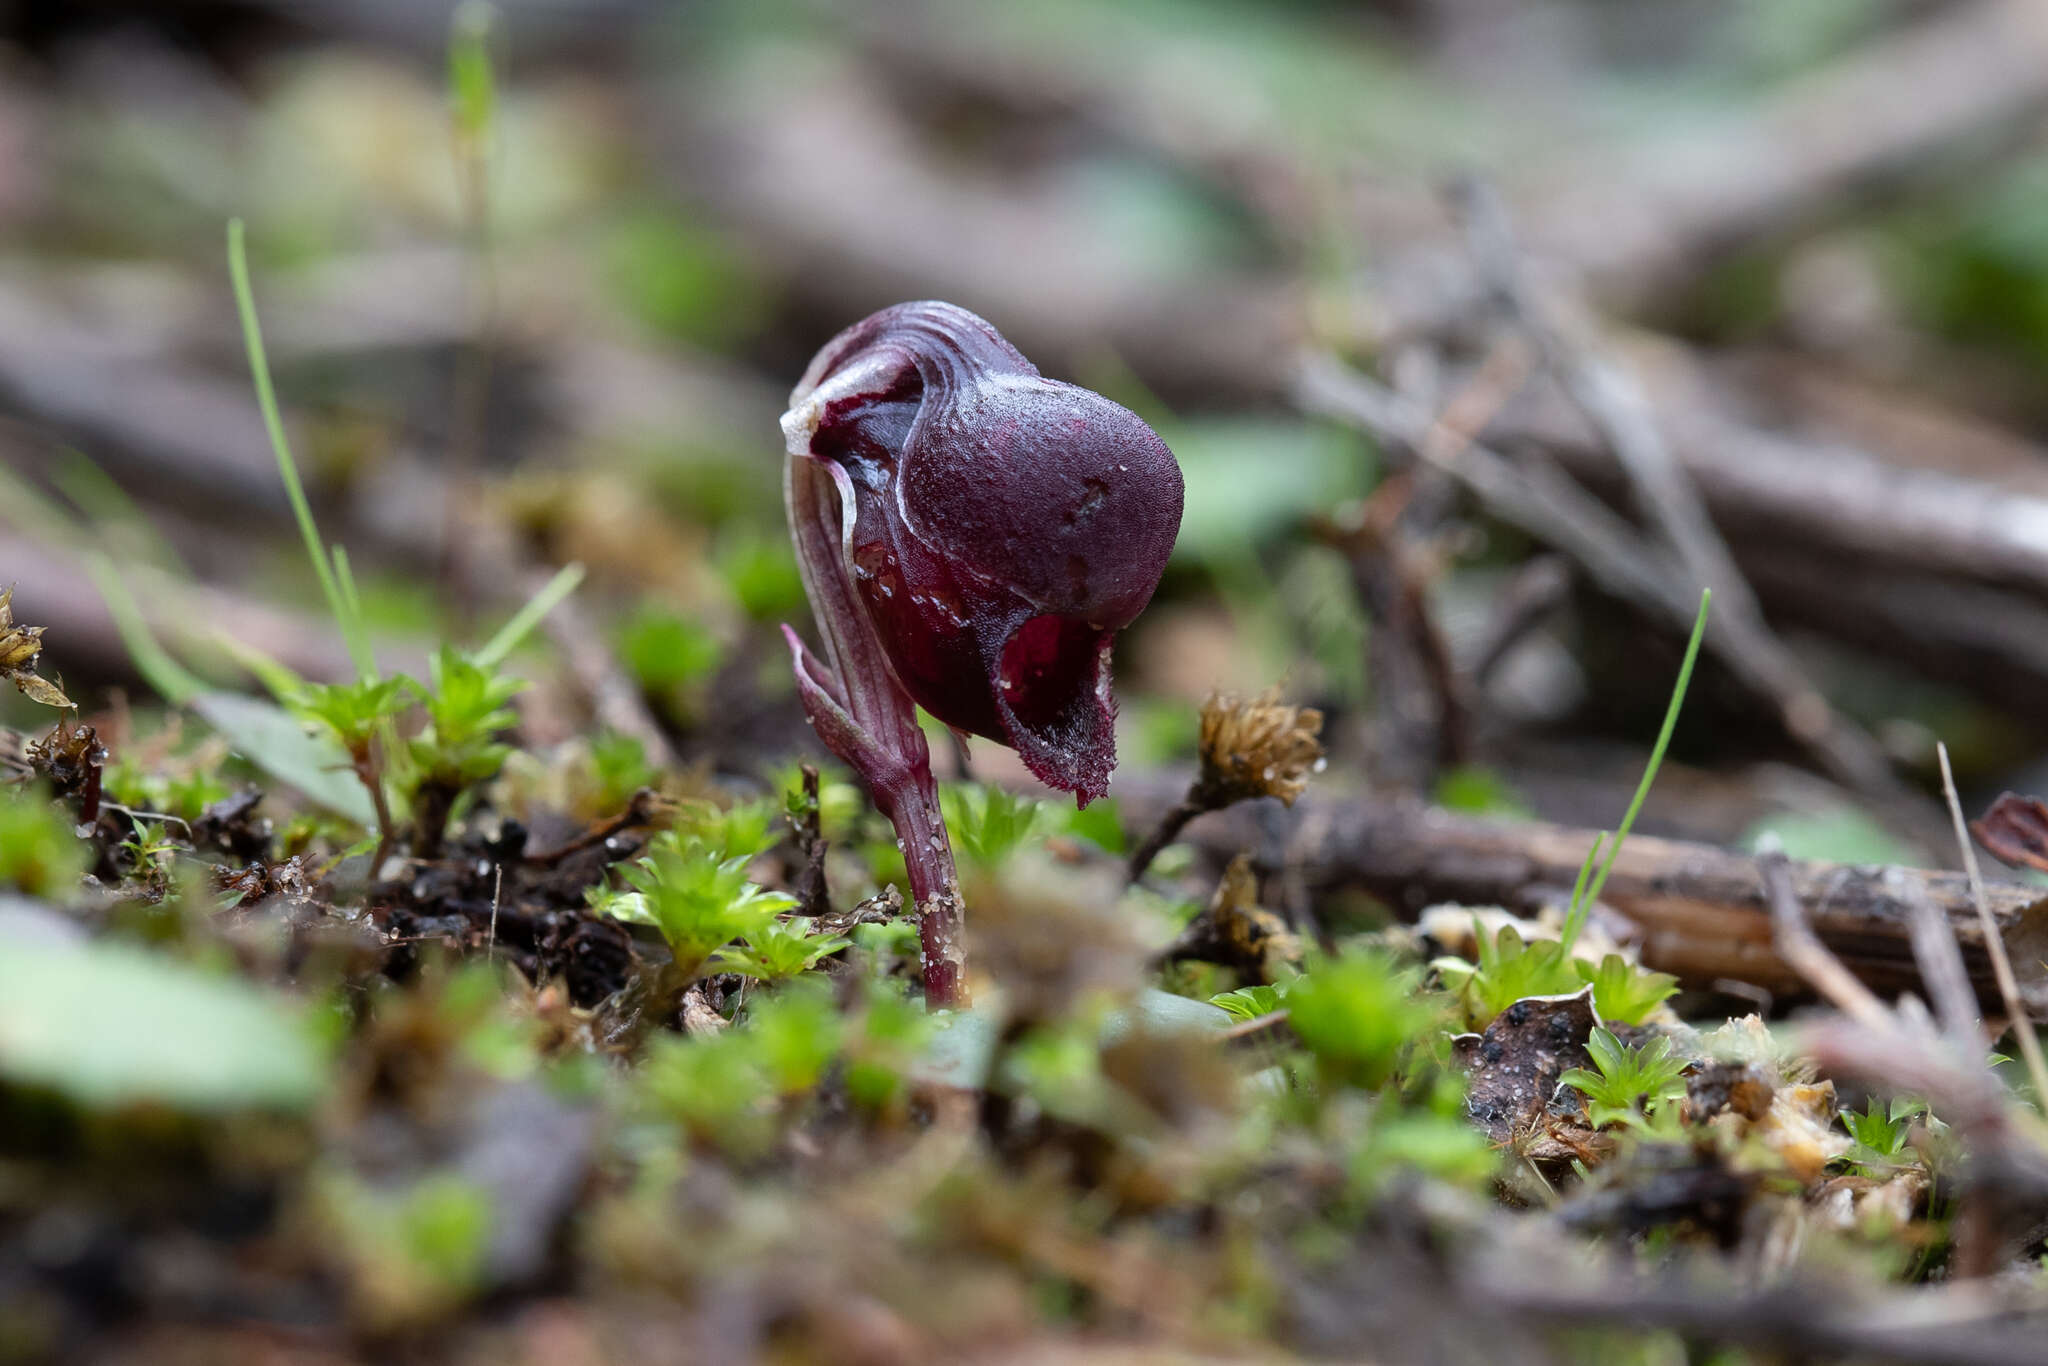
(1748, 292)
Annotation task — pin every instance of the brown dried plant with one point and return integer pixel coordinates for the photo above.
(1251, 747)
(1256, 747)
(19, 646)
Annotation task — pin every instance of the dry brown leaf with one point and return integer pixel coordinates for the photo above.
(19, 646)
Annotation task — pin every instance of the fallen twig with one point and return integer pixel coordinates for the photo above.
(1699, 909)
(1994, 942)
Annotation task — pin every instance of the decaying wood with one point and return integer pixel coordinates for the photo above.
(1701, 910)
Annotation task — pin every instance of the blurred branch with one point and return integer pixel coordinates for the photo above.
(1700, 909)
(1546, 504)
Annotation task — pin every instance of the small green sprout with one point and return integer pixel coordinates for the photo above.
(1359, 1013)
(1625, 992)
(894, 1033)
(713, 1086)
(762, 573)
(1059, 1067)
(988, 824)
(841, 805)
(1427, 1139)
(1509, 969)
(1881, 1130)
(667, 653)
(183, 790)
(887, 947)
(619, 768)
(780, 950)
(411, 1255)
(698, 901)
(39, 855)
(744, 830)
(796, 1035)
(467, 706)
(353, 713)
(150, 850)
(1633, 1085)
(361, 717)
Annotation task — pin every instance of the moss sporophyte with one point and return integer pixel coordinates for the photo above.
(972, 536)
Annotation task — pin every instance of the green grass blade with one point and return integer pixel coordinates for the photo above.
(355, 632)
(526, 618)
(1628, 820)
(472, 86)
(1580, 906)
(273, 423)
(109, 509)
(24, 507)
(173, 682)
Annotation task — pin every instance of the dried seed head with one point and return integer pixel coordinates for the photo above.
(19, 646)
(1257, 747)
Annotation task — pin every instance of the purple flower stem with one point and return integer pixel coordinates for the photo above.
(863, 715)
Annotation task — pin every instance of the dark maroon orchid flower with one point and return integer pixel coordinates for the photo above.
(973, 536)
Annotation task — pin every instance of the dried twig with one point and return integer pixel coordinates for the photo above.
(640, 810)
(1799, 947)
(1994, 941)
(1946, 977)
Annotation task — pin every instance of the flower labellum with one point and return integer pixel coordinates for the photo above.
(972, 536)
(999, 527)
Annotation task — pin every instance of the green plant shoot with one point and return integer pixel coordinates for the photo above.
(1584, 894)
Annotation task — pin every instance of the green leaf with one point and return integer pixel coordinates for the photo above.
(1482, 792)
(471, 85)
(353, 712)
(273, 740)
(1624, 992)
(779, 950)
(1249, 477)
(1358, 1013)
(1512, 970)
(1587, 893)
(1248, 1003)
(796, 1034)
(110, 1025)
(742, 831)
(1099, 822)
(1842, 834)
